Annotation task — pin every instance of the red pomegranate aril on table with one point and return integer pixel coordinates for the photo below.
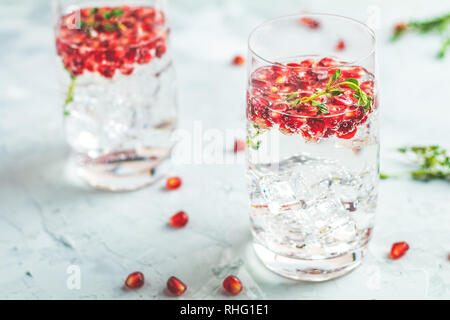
(340, 45)
(238, 60)
(176, 286)
(232, 285)
(135, 280)
(173, 183)
(398, 250)
(179, 219)
(310, 22)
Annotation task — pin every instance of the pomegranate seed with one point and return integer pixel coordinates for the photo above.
(160, 50)
(126, 70)
(106, 71)
(135, 280)
(344, 100)
(348, 135)
(367, 87)
(327, 62)
(239, 145)
(176, 286)
(276, 115)
(144, 56)
(232, 285)
(340, 45)
(399, 249)
(173, 183)
(310, 22)
(238, 60)
(308, 63)
(179, 220)
(131, 54)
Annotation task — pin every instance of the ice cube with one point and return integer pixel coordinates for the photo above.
(275, 190)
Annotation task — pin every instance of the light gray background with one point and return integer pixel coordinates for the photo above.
(50, 220)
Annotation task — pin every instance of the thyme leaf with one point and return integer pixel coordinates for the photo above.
(251, 143)
(439, 24)
(70, 92)
(433, 163)
(333, 89)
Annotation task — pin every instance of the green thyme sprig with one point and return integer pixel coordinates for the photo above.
(251, 143)
(439, 24)
(70, 92)
(433, 161)
(333, 89)
(111, 14)
(445, 45)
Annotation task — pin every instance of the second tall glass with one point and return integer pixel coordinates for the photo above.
(312, 137)
(118, 85)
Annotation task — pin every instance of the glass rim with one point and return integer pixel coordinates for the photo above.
(370, 31)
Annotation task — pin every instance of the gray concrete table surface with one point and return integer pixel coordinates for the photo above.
(50, 220)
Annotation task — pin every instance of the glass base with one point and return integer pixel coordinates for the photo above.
(124, 170)
(309, 270)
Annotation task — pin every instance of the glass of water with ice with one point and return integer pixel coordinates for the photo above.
(118, 89)
(312, 144)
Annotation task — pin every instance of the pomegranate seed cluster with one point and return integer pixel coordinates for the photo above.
(270, 87)
(110, 39)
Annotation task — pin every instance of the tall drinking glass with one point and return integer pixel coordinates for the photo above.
(118, 87)
(313, 145)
